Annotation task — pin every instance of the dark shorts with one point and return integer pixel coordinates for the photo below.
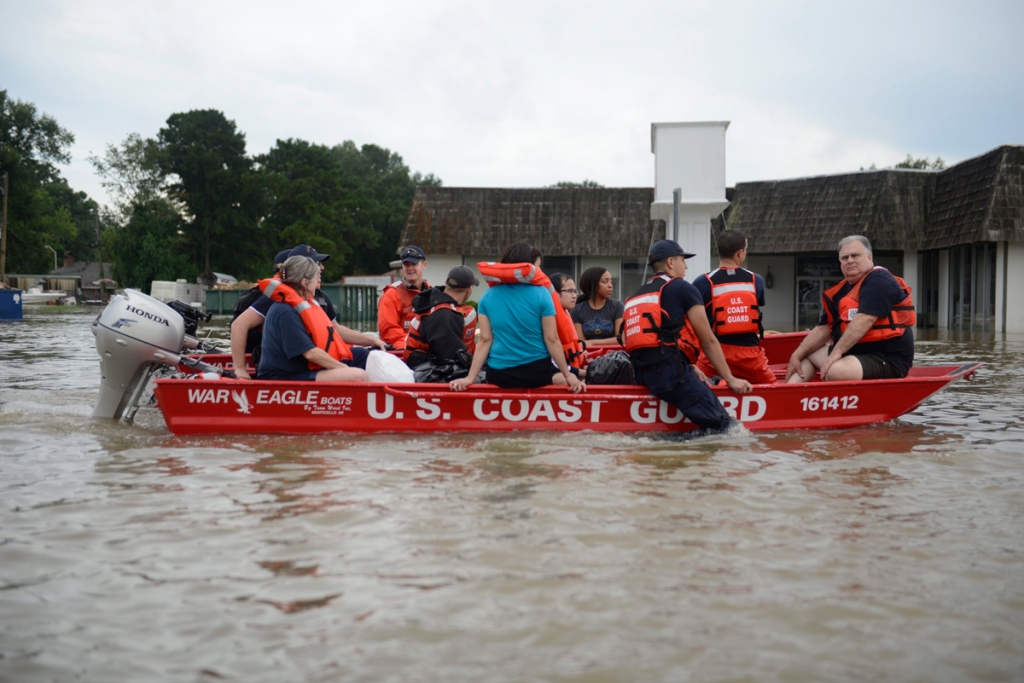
(359, 356)
(876, 366)
(529, 376)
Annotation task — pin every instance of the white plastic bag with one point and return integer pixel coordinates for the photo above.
(381, 366)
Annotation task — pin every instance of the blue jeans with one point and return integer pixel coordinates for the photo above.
(692, 397)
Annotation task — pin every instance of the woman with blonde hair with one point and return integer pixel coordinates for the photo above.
(299, 341)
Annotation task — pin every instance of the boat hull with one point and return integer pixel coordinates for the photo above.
(197, 406)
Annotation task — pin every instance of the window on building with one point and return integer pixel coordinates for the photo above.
(559, 264)
(632, 276)
(972, 287)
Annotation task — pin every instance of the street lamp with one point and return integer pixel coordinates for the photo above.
(54, 256)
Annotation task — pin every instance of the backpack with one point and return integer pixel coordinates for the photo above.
(611, 368)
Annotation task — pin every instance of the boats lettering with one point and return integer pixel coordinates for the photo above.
(815, 403)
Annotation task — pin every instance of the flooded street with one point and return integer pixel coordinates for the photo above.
(892, 552)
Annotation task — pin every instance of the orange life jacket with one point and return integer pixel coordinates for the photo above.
(313, 319)
(414, 341)
(647, 325)
(733, 307)
(406, 295)
(529, 274)
(841, 313)
(468, 327)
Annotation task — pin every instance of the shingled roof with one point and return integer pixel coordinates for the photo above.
(576, 221)
(978, 200)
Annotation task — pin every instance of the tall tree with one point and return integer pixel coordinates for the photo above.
(148, 247)
(130, 173)
(205, 154)
(312, 201)
(387, 192)
(42, 210)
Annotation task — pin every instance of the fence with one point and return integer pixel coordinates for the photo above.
(353, 303)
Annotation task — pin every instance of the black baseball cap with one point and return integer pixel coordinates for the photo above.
(413, 254)
(281, 257)
(461, 277)
(306, 250)
(666, 248)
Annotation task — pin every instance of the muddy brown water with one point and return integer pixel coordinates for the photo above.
(891, 552)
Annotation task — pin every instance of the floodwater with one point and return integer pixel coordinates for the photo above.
(889, 553)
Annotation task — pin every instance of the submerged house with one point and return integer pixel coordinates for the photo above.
(956, 235)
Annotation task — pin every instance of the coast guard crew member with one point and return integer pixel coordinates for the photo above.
(394, 310)
(654, 318)
(734, 299)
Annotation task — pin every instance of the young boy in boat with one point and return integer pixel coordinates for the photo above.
(300, 343)
(394, 310)
(655, 317)
(443, 326)
(734, 298)
(251, 311)
(868, 319)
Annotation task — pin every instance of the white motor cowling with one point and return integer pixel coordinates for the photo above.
(134, 334)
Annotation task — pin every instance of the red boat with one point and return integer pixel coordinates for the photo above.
(136, 335)
(197, 406)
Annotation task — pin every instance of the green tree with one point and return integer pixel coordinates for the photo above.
(386, 193)
(923, 163)
(149, 246)
(568, 184)
(203, 155)
(311, 201)
(130, 173)
(43, 211)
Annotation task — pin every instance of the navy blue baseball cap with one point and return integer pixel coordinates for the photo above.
(666, 248)
(281, 257)
(413, 254)
(306, 250)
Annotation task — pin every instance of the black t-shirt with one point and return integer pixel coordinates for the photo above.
(677, 297)
(879, 292)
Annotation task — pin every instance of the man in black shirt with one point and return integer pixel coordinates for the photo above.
(441, 328)
(868, 318)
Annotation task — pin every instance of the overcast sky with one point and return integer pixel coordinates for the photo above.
(523, 94)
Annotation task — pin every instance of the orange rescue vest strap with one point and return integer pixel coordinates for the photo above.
(529, 274)
(842, 312)
(313, 319)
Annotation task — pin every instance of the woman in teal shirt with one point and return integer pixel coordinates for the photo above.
(518, 334)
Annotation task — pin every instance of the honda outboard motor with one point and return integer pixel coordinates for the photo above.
(135, 335)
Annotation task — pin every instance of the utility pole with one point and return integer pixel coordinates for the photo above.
(3, 235)
(99, 248)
